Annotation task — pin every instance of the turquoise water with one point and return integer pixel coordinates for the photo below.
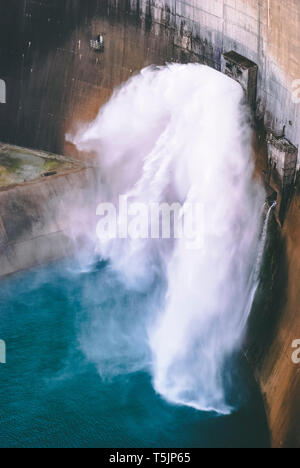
(76, 372)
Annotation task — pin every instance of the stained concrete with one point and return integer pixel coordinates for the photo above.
(273, 327)
(55, 79)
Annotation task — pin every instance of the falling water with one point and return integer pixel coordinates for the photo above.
(263, 240)
(175, 134)
(258, 264)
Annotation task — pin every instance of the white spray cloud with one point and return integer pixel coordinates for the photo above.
(180, 134)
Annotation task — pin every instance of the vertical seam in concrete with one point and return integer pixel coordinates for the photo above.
(19, 111)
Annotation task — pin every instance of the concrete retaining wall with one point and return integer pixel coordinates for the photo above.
(33, 226)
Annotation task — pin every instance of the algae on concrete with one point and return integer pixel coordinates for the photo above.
(19, 165)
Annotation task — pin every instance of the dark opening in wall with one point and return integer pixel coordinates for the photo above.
(244, 71)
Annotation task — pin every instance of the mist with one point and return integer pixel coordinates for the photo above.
(175, 134)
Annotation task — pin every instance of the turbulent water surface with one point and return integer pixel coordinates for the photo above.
(52, 396)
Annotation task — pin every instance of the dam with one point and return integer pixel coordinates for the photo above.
(60, 62)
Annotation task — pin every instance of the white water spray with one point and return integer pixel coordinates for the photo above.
(263, 241)
(176, 134)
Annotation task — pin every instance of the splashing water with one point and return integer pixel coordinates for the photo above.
(175, 134)
(263, 241)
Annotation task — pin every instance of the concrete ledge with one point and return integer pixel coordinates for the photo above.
(33, 217)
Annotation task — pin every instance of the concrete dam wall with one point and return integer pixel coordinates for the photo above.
(51, 78)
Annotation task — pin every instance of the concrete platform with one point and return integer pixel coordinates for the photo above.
(38, 193)
(21, 165)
